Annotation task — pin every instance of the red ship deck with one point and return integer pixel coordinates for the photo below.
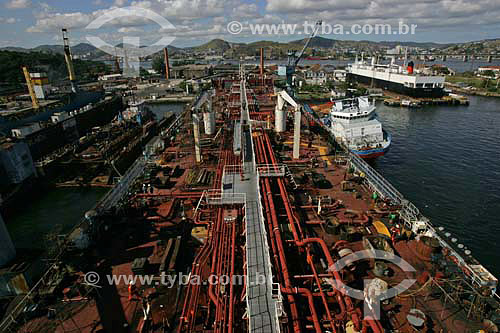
(315, 214)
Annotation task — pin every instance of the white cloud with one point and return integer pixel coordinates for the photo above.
(130, 29)
(120, 3)
(208, 18)
(174, 10)
(16, 4)
(427, 14)
(10, 20)
(56, 21)
(245, 10)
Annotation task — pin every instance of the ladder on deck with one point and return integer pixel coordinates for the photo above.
(289, 175)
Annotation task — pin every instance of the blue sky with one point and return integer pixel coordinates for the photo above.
(28, 23)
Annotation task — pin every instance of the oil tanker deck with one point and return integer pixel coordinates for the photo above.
(229, 226)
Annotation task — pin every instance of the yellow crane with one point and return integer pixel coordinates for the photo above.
(69, 60)
(31, 89)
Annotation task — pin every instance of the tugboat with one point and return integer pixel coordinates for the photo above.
(353, 123)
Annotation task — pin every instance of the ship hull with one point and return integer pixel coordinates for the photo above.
(370, 154)
(55, 136)
(397, 87)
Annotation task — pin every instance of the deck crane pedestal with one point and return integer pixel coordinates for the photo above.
(280, 125)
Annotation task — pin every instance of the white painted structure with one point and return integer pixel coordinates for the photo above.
(109, 77)
(196, 133)
(25, 130)
(396, 74)
(209, 118)
(281, 116)
(41, 85)
(353, 122)
(59, 116)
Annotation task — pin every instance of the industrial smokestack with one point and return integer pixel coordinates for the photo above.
(262, 62)
(167, 64)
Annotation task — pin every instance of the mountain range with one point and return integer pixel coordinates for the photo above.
(222, 46)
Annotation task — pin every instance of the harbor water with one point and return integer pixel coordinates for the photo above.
(446, 160)
(57, 210)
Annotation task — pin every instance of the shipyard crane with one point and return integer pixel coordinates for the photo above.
(294, 58)
(69, 60)
(117, 63)
(31, 89)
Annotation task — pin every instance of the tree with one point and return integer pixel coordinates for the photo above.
(158, 65)
(489, 73)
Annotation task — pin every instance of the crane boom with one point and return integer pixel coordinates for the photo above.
(69, 60)
(283, 94)
(293, 58)
(314, 33)
(34, 99)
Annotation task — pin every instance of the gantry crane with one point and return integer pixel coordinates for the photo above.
(294, 58)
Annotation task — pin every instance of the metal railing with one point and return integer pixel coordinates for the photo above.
(219, 197)
(118, 192)
(271, 170)
(267, 258)
(409, 213)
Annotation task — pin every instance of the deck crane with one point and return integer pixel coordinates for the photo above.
(294, 58)
(281, 117)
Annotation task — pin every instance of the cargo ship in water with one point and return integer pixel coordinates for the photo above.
(393, 77)
(353, 123)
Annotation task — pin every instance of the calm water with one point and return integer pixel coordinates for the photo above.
(58, 209)
(164, 109)
(446, 160)
(61, 208)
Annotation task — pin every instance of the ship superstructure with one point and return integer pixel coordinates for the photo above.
(397, 78)
(353, 123)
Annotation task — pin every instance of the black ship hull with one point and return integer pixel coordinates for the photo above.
(397, 87)
(56, 136)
